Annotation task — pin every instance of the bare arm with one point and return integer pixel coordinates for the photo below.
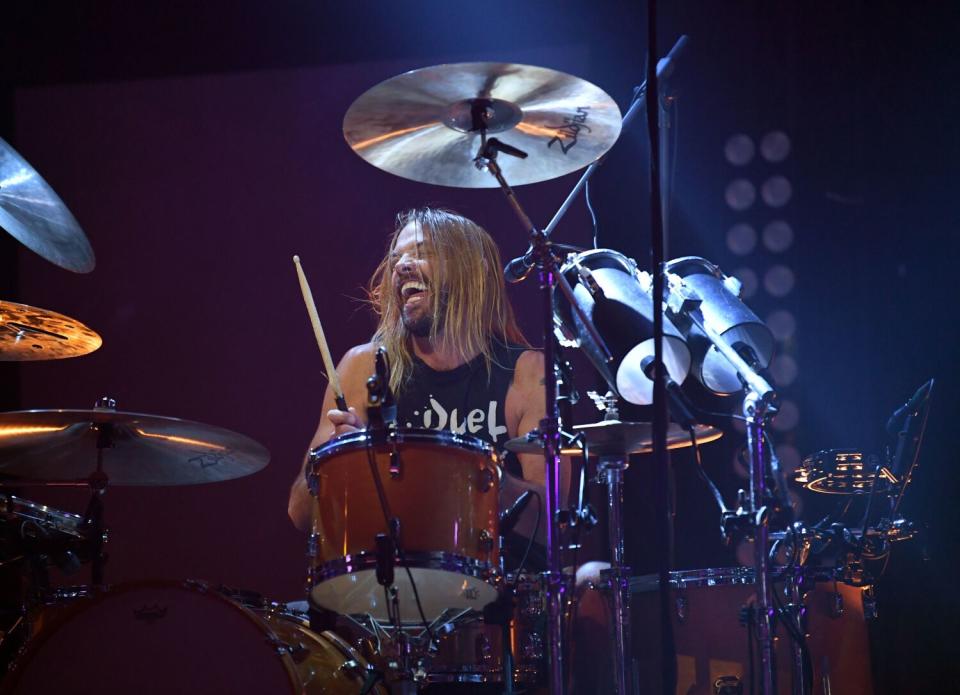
(526, 406)
(353, 370)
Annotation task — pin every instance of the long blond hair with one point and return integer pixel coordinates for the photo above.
(468, 299)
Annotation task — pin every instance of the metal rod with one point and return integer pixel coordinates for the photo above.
(795, 588)
(756, 417)
(549, 432)
(618, 575)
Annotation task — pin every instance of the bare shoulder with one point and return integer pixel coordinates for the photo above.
(356, 365)
(359, 356)
(529, 369)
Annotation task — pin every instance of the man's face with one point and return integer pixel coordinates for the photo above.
(411, 280)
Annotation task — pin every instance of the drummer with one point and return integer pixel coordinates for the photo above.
(458, 359)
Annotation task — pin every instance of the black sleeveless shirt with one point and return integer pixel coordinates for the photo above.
(466, 400)
(470, 400)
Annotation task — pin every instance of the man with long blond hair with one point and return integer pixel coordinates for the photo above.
(458, 360)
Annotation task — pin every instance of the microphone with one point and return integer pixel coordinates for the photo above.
(519, 268)
(908, 409)
(679, 405)
(381, 408)
(510, 516)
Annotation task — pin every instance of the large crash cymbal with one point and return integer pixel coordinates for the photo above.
(34, 215)
(612, 437)
(424, 124)
(28, 333)
(61, 446)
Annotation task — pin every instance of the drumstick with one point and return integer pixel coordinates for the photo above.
(321, 338)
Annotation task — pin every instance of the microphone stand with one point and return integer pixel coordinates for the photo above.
(555, 585)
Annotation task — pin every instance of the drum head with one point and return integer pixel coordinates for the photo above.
(360, 594)
(164, 638)
(442, 487)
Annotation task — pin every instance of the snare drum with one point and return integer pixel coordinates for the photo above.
(170, 637)
(471, 650)
(443, 487)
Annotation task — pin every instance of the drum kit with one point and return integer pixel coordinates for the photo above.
(406, 584)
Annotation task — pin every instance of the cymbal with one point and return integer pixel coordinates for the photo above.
(424, 124)
(61, 445)
(36, 217)
(612, 437)
(28, 333)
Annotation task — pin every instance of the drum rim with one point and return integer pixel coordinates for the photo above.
(99, 594)
(425, 560)
(708, 267)
(571, 261)
(522, 673)
(720, 576)
(67, 522)
(364, 438)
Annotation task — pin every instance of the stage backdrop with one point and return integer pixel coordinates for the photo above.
(195, 194)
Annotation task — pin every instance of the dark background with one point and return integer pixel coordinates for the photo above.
(200, 148)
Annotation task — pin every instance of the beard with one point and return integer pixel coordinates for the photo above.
(420, 321)
(419, 324)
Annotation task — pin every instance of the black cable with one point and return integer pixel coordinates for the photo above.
(703, 473)
(391, 529)
(593, 215)
(533, 536)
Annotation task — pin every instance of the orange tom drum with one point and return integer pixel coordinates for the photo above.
(444, 489)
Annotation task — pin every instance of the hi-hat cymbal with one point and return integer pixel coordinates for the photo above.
(28, 333)
(34, 215)
(61, 445)
(425, 124)
(612, 437)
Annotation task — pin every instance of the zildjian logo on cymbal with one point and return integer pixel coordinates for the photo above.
(567, 133)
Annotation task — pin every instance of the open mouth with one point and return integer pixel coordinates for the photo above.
(412, 290)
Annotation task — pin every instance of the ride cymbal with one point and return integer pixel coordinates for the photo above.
(36, 217)
(28, 334)
(425, 124)
(139, 449)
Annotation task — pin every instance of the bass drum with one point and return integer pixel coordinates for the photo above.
(181, 637)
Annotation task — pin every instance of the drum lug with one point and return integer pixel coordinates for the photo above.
(395, 469)
(681, 603)
(486, 540)
(485, 481)
(728, 685)
(869, 603)
(313, 483)
(836, 604)
(484, 652)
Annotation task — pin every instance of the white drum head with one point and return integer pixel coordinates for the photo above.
(359, 593)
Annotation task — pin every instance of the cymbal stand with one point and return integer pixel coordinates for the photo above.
(617, 578)
(557, 586)
(93, 518)
(759, 405)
